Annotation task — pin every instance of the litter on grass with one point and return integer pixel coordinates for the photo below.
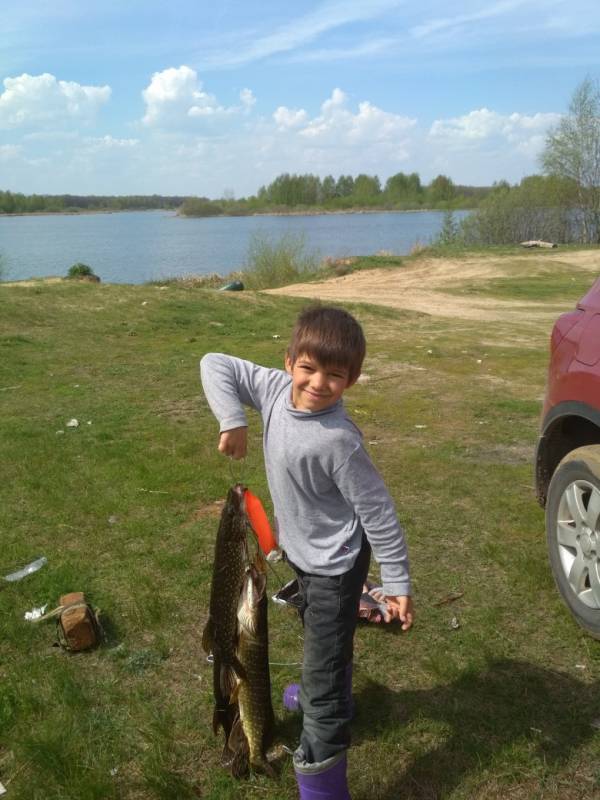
(72, 423)
(26, 570)
(36, 613)
(449, 598)
(454, 623)
(2, 789)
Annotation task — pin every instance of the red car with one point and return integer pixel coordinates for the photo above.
(568, 459)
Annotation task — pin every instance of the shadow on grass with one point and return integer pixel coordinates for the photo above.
(509, 703)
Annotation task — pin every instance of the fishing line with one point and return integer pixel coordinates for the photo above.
(274, 571)
(242, 469)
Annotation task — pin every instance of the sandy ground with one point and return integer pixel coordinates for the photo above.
(423, 286)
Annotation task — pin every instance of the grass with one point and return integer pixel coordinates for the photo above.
(125, 509)
(553, 286)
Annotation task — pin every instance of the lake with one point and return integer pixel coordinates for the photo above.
(138, 246)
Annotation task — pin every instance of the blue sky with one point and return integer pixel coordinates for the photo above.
(212, 98)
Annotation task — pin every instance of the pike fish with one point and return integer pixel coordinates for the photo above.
(220, 636)
(252, 732)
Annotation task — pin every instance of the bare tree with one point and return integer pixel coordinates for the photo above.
(572, 151)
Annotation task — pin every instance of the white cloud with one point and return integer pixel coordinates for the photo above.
(175, 96)
(302, 30)
(337, 125)
(107, 143)
(34, 99)
(286, 118)
(483, 125)
(8, 152)
(445, 24)
(174, 93)
(247, 98)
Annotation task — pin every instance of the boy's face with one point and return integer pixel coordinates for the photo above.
(315, 387)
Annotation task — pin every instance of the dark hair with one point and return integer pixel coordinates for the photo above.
(331, 336)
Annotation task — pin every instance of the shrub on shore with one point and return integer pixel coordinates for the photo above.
(273, 263)
(80, 271)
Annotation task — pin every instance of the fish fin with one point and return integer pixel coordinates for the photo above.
(237, 737)
(229, 675)
(208, 636)
(234, 694)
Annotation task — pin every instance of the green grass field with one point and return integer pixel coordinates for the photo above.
(125, 508)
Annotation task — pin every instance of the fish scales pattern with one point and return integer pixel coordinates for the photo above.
(220, 635)
(257, 719)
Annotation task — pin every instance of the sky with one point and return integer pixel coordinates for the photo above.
(216, 99)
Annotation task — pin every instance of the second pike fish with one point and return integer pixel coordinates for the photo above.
(253, 731)
(220, 634)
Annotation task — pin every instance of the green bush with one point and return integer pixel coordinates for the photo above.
(538, 208)
(79, 270)
(276, 263)
(200, 207)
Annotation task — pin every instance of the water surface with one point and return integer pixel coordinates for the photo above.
(138, 246)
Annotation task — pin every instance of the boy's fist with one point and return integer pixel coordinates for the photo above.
(234, 443)
(401, 608)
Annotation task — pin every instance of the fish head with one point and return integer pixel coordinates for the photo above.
(235, 512)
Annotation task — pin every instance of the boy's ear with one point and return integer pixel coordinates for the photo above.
(288, 364)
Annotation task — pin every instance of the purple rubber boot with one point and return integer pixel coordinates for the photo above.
(323, 781)
(291, 693)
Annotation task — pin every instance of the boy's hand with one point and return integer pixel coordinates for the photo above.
(234, 443)
(400, 607)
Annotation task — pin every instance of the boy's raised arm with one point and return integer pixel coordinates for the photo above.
(231, 383)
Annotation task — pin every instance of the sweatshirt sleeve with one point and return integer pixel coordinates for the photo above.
(362, 486)
(231, 383)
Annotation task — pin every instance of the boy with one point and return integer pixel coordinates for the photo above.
(331, 507)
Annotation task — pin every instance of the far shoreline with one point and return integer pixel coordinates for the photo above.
(174, 213)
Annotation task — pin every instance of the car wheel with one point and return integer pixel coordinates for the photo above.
(573, 533)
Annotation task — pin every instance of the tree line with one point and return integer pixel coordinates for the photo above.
(17, 203)
(291, 192)
(287, 192)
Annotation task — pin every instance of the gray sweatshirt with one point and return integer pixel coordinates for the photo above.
(325, 488)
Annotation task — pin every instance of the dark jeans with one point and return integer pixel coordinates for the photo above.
(329, 613)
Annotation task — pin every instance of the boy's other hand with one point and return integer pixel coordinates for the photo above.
(234, 443)
(400, 607)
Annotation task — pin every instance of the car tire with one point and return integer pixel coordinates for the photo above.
(573, 534)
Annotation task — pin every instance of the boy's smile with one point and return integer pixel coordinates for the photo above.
(315, 387)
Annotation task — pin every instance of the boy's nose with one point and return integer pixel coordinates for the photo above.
(319, 380)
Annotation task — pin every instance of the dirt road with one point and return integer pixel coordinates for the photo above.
(433, 285)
